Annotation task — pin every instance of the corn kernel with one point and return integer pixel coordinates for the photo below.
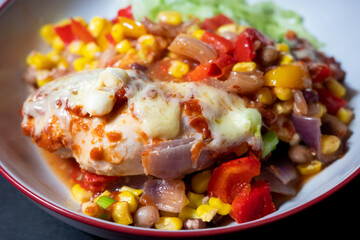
(231, 27)
(286, 59)
(90, 209)
(283, 107)
(195, 199)
(335, 87)
(206, 212)
(309, 168)
(101, 39)
(132, 28)
(90, 50)
(282, 47)
(93, 64)
(199, 181)
(178, 68)
(329, 144)
(264, 95)
(222, 208)
(171, 17)
(76, 47)
(169, 223)
(54, 56)
(39, 61)
(47, 32)
(187, 213)
(244, 67)
(147, 40)
(136, 192)
(81, 63)
(123, 46)
(283, 94)
(345, 115)
(80, 194)
(117, 32)
(42, 77)
(95, 26)
(58, 44)
(121, 213)
(198, 33)
(128, 197)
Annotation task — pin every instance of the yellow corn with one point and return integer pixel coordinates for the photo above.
(123, 46)
(54, 56)
(121, 214)
(244, 67)
(206, 212)
(198, 33)
(187, 213)
(93, 64)
(147, 40)
(131, 28)
(170, 17)
(80, 194)
(309, 168)
(48, 33)
(90, 50)
(195, 199)
(169, 223)
(128, 197)
(178, 68)
(285, 107)
(345, 115)
(168, 214)
(58, 44)
(96, 25)
(101, 39)
(329, 144)
(42, 77)
(136, 192)
(286, 59)
(282, 47)
(222, 208)
(335, 87)
(105, 193)
(39, 61)
(199, 181)
(81, 63)
(231, 27)
(117, 32)
(76, 47)
(264, 95)
(283, 94)
(90, 209)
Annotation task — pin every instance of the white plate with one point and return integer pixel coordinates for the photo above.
(22, 165)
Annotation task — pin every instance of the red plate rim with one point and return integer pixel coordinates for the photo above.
(160, 233)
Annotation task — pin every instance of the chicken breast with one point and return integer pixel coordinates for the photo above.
(121, 123)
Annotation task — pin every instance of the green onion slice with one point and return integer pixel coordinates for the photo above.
(270, 140)
(105, 202)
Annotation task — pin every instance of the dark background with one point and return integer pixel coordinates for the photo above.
(336, 216)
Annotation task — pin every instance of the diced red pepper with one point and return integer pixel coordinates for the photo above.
(228, 180)
(81, 32)
(332, 102)
(252, 202)
(319, 72)
(65, 33)
(204, 71)
(211, 24)
(110, 39)
(221, 44)
(124, 12)
(224, 60)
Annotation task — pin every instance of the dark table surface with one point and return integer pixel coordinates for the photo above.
(337, 215)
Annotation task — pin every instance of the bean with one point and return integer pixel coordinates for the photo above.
(194, 224)
(300, 154)
(146, 216)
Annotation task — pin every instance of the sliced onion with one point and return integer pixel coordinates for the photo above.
(167, 195)
(106, 56)
(276, 185)
(283, 170)
(193, 48)
(240, 82)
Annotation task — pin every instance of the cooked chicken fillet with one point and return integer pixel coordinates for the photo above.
(119, 123)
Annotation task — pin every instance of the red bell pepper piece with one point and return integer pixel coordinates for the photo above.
(244, 45)
(110, 39)
(221, 44)
(124, 12)
(332, 102)
(252, 202)
(65, 33)
(319, 72)
(204, 71)
(81, 32)
(224, 60)
(211, 24)
(228, 180)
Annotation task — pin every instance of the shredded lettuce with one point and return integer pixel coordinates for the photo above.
(267, 17)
